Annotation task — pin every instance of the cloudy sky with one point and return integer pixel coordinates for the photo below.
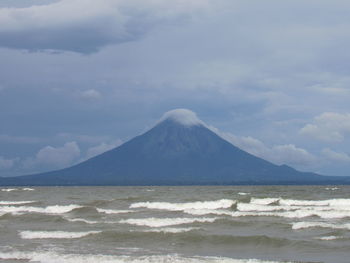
(79, 77)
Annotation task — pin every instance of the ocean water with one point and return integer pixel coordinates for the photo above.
(231, 224)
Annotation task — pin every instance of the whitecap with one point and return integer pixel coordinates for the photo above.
(223, 203)
(112, 211)
(332, 188)
(303, 225)
(296, 214)
(81, 220)
(27, 189)
(161, 222)
(242, 193)
(331, 202)
(264, 201)
(329, 238)
(55, 209)
(258, 207)
(171, 230)
(54, 234)
(199, 212)
(9, 189)
(16, 202)
(52, 257)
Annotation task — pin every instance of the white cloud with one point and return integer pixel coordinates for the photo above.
(336, 156)
(54, 157)
(6, 163)
(290, 154)
(182, 116)
(91, 94)
(101, 148)
(86, 25)
(278, 154)
(328, 127)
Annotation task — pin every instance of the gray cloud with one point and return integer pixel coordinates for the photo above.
(252, 68)
(6, 164)
(85, 25)
(81, 138)
(19, 139)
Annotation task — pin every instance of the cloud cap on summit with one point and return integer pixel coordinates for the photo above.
(182, 116)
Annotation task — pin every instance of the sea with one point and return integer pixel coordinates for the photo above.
(187, 224)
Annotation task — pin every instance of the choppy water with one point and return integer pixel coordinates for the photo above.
(242, 224)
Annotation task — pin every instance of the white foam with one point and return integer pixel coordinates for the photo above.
(223, 203)
(242, 193)
(330, 202)
(52, 257)
(303, 225)
(264, 201)
(17, 189)
(332, 188)
(161, 222)
(27, 189)
(200, 212)
(9, 189)
(81, 220)
(256, 207)
(279, 207)
(328, 238)
(111, 211)
(171, 230)
(55, 209)
(296, 214)
(16, 202)
(54, 234)
(321, 214)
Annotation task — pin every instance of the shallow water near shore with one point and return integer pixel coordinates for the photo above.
(251, 224)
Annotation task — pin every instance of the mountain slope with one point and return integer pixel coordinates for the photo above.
(179, 150)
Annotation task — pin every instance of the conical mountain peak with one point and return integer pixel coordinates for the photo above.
(180, 150)
(184, 117)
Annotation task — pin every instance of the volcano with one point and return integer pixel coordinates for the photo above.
(179, 150)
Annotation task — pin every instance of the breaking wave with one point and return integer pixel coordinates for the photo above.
(223, 203)
(112, 211)
(303, 225)
(171, 230)
(332, 188)
(161, 222)
(270, 207)
(52, 257)
(27, 189)
(81, 220)
(54, 234)
(9, 189)
(54, 209)
(264, 201)
(16, 202)
(329, 238)
(16, 189)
